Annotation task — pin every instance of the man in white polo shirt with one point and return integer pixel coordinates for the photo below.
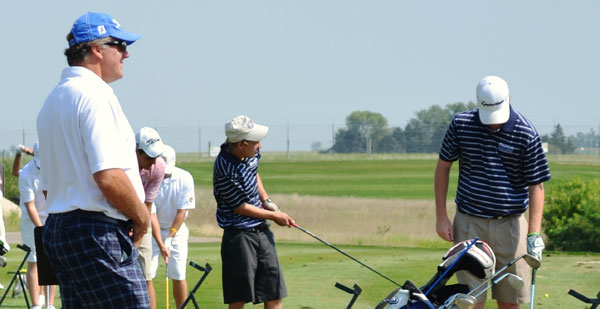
(175, 197)
(91, 176)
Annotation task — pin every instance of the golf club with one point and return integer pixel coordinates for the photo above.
(344, 253)
(468, 301)
(515, 282)
(532, 288)
(532, 261)
(167, 280)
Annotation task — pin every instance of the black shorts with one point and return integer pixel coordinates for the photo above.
(251, 269)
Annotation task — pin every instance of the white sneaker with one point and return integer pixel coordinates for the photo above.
(50, 307)
(36, 307)
(1, 286)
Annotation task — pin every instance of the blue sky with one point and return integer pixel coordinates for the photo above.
(308, 64)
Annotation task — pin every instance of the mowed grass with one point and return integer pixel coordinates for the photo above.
(384, 177)
(311, 270)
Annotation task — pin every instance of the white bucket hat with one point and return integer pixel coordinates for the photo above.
(243, 128)
(493, 100)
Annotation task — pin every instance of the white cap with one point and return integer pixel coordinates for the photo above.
(169, 156)
(148, 140)
(243, 128)
(36, 154)
(493, 100)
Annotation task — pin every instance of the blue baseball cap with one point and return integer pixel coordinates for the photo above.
(92, 26)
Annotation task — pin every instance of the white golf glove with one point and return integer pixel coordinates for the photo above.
(535, 245)
(169, 243)
(268, 204)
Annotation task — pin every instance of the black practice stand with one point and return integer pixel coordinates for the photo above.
(355, 292)
(586, 300)
(18, 273)
(191, 297)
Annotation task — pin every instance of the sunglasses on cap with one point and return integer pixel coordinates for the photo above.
(120, 45)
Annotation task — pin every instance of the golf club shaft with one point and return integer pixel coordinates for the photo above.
(532, 288)
(346, 254)
(496, 274)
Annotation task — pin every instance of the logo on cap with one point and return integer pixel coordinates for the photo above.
(491, 104)
(250, 124)
(117, 25)
(101, 30)
(152, 141)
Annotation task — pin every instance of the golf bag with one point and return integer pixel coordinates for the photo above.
(479, 260)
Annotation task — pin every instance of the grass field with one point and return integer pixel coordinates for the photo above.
(380, 208)
(311, 270)
(382, 177)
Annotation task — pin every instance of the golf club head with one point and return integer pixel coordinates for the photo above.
(515, 281)
(532, 261)
(460, 301)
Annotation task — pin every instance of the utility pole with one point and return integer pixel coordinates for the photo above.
(288, 139)
(199, 141)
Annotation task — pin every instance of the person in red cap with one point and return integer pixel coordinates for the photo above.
(94, 191)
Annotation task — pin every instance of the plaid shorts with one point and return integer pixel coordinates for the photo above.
(95, 263)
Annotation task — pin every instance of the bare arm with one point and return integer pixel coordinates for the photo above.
(252, 211)
(536, 207)
(177, 221)
(16, 165)
(443, 225)
(33, 213)
(119, 192)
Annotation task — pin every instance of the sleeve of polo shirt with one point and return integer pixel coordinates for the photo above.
(26, 192)
(449, 149)
(101, 130)
(187, 197)
(156, 178)
(227, 186)
(535, 165)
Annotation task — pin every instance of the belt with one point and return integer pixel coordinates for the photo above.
(259, 228)
(489, 217)
(98, 216)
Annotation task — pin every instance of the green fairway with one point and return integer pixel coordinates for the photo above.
(401, 178)
(312, 269)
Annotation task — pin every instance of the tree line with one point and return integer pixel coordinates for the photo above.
(368, 132)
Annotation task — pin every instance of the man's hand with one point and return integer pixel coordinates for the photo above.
(138, 232)
(535, 245)
(169, 243)
(283, 219)
(444, 229)
(270, 205)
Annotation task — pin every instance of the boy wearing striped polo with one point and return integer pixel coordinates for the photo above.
(502, 168)
(251, 269)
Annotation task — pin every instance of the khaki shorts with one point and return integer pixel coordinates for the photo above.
(145, 251)
(508, 239)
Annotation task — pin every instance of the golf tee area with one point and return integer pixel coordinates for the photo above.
(378, 209)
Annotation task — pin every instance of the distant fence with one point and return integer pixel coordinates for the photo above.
(281, 137)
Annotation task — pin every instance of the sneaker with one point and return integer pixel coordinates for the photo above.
(36, 307)
(50, 307)
(1, 286)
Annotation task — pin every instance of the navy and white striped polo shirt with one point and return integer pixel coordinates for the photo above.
(234, 183)
(495, 167)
